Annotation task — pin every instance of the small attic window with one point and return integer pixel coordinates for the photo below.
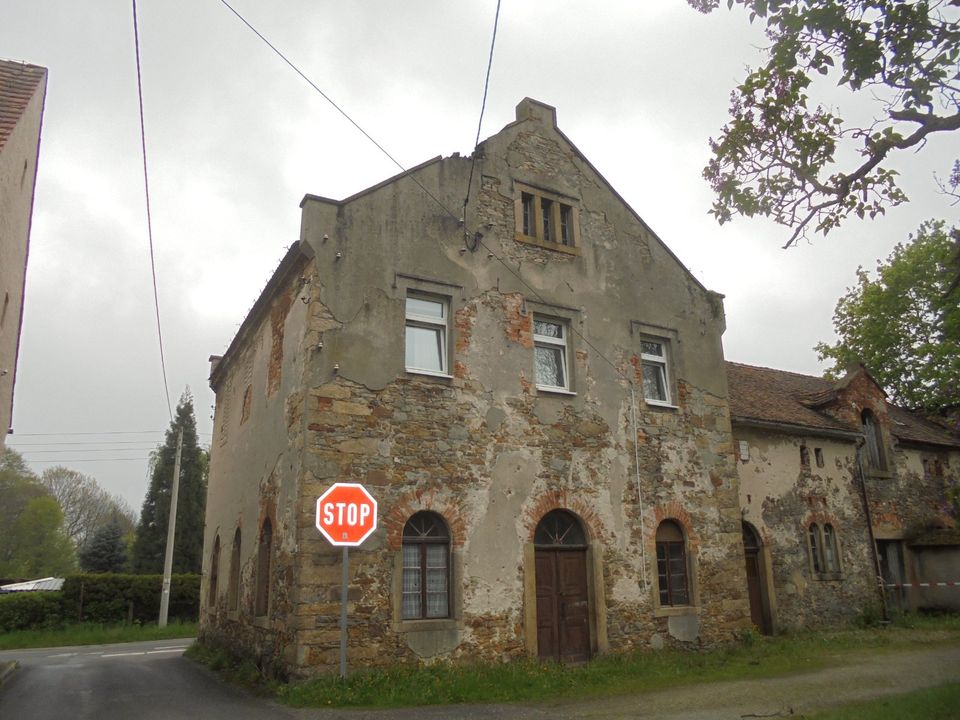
(547, 220)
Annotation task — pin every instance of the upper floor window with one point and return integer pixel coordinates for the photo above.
(654, 362)
(672, 565)
(426, 568)
(550, 353)
(426, 333)
(547, 220)
(876, 457)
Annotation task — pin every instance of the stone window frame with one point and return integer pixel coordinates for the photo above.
(214, 576)
(406, 285)
(528, 214)
(661, 542)
(823, 549)
(422, 542)
(414, 627)
(669, 338)
(233, 583)
(264, 569)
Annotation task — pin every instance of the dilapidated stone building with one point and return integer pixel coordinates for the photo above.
(839, 487)
(536, 395)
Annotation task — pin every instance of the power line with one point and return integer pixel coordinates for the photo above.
(146, 191)
(80, 442)
(483, 106)
(447, 210)
(60, 461)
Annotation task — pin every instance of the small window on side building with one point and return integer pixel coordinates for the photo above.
(214, 572)
(818, 456)
(873, 437)
(264, 558)
(804, 456)
(824, 553)
(233, 589)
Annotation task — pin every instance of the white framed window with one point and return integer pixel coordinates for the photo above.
(654, 363)
(427, 319)
(550, 353)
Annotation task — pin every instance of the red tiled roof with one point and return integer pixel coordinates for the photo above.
(768, 395)
(776, 396)
(18, 83)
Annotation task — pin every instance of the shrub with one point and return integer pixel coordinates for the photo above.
(110, 598)
(30, 610)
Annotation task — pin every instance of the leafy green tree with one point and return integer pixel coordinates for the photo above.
(18, 486)
(778, 154)
(105, 551)
(903, 325)
(35, 545)
(150, 542)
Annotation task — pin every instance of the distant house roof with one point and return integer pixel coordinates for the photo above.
(765, 395)
(18, 83)
(49, 583)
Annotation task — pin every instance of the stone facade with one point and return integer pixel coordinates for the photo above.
(539, 390)
(22, 91)
(315, 389)
(803, 462)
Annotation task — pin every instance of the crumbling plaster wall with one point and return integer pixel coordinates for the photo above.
(485, 448)
(254, 468)
(781, 498)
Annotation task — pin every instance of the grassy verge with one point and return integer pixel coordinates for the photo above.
(529, 681)
(939, 703)
(93, 634)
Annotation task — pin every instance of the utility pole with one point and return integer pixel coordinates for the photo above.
(171, 528)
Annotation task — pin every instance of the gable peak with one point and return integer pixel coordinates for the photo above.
(530, 109)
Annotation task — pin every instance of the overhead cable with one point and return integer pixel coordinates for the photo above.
(146, 191)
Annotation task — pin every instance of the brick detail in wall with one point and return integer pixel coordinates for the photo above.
(407, 505)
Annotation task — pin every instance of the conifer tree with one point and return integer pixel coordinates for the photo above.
(105, 551)
(150, 542)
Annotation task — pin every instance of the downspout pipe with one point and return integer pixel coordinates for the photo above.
(873, 540)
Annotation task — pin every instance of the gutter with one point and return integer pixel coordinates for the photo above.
(796, 429)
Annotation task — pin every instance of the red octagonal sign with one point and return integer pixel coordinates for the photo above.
(346, 514)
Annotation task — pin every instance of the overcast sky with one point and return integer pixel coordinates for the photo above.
(235, 139)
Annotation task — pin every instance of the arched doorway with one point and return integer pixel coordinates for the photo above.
(756, 580)
(563, 605)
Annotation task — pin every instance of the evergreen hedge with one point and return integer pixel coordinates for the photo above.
(30, 610)
(111, 598)
(101, 598)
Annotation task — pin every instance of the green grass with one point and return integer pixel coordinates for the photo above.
(530, 681)
(93, 634)
(939, 703)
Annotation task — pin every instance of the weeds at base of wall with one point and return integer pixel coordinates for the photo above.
(232, 667)
(752, 656)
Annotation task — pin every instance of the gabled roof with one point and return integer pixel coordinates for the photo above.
(777, 397)
(18, 83)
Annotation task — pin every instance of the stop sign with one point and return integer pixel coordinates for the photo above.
(346, 514)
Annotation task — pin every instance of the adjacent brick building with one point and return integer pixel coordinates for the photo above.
(22, 91)
(535, 393)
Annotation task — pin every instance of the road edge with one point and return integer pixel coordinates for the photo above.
(7, 668)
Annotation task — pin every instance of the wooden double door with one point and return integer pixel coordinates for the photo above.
(563, 606)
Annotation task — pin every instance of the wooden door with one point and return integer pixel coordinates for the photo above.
(759, 609)
(563, 609)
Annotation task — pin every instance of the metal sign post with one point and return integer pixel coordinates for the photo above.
(346, 516)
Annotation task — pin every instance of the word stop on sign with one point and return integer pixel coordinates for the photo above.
(345, 514)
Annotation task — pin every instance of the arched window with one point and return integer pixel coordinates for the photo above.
(558, 527)
(264, 554)
(876, 458)
(233, 589)
(824, 555)
(426, 567)
(214, 572)
(672, 565)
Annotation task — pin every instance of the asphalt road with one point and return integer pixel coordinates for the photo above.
(147, 681)
(138, 681)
